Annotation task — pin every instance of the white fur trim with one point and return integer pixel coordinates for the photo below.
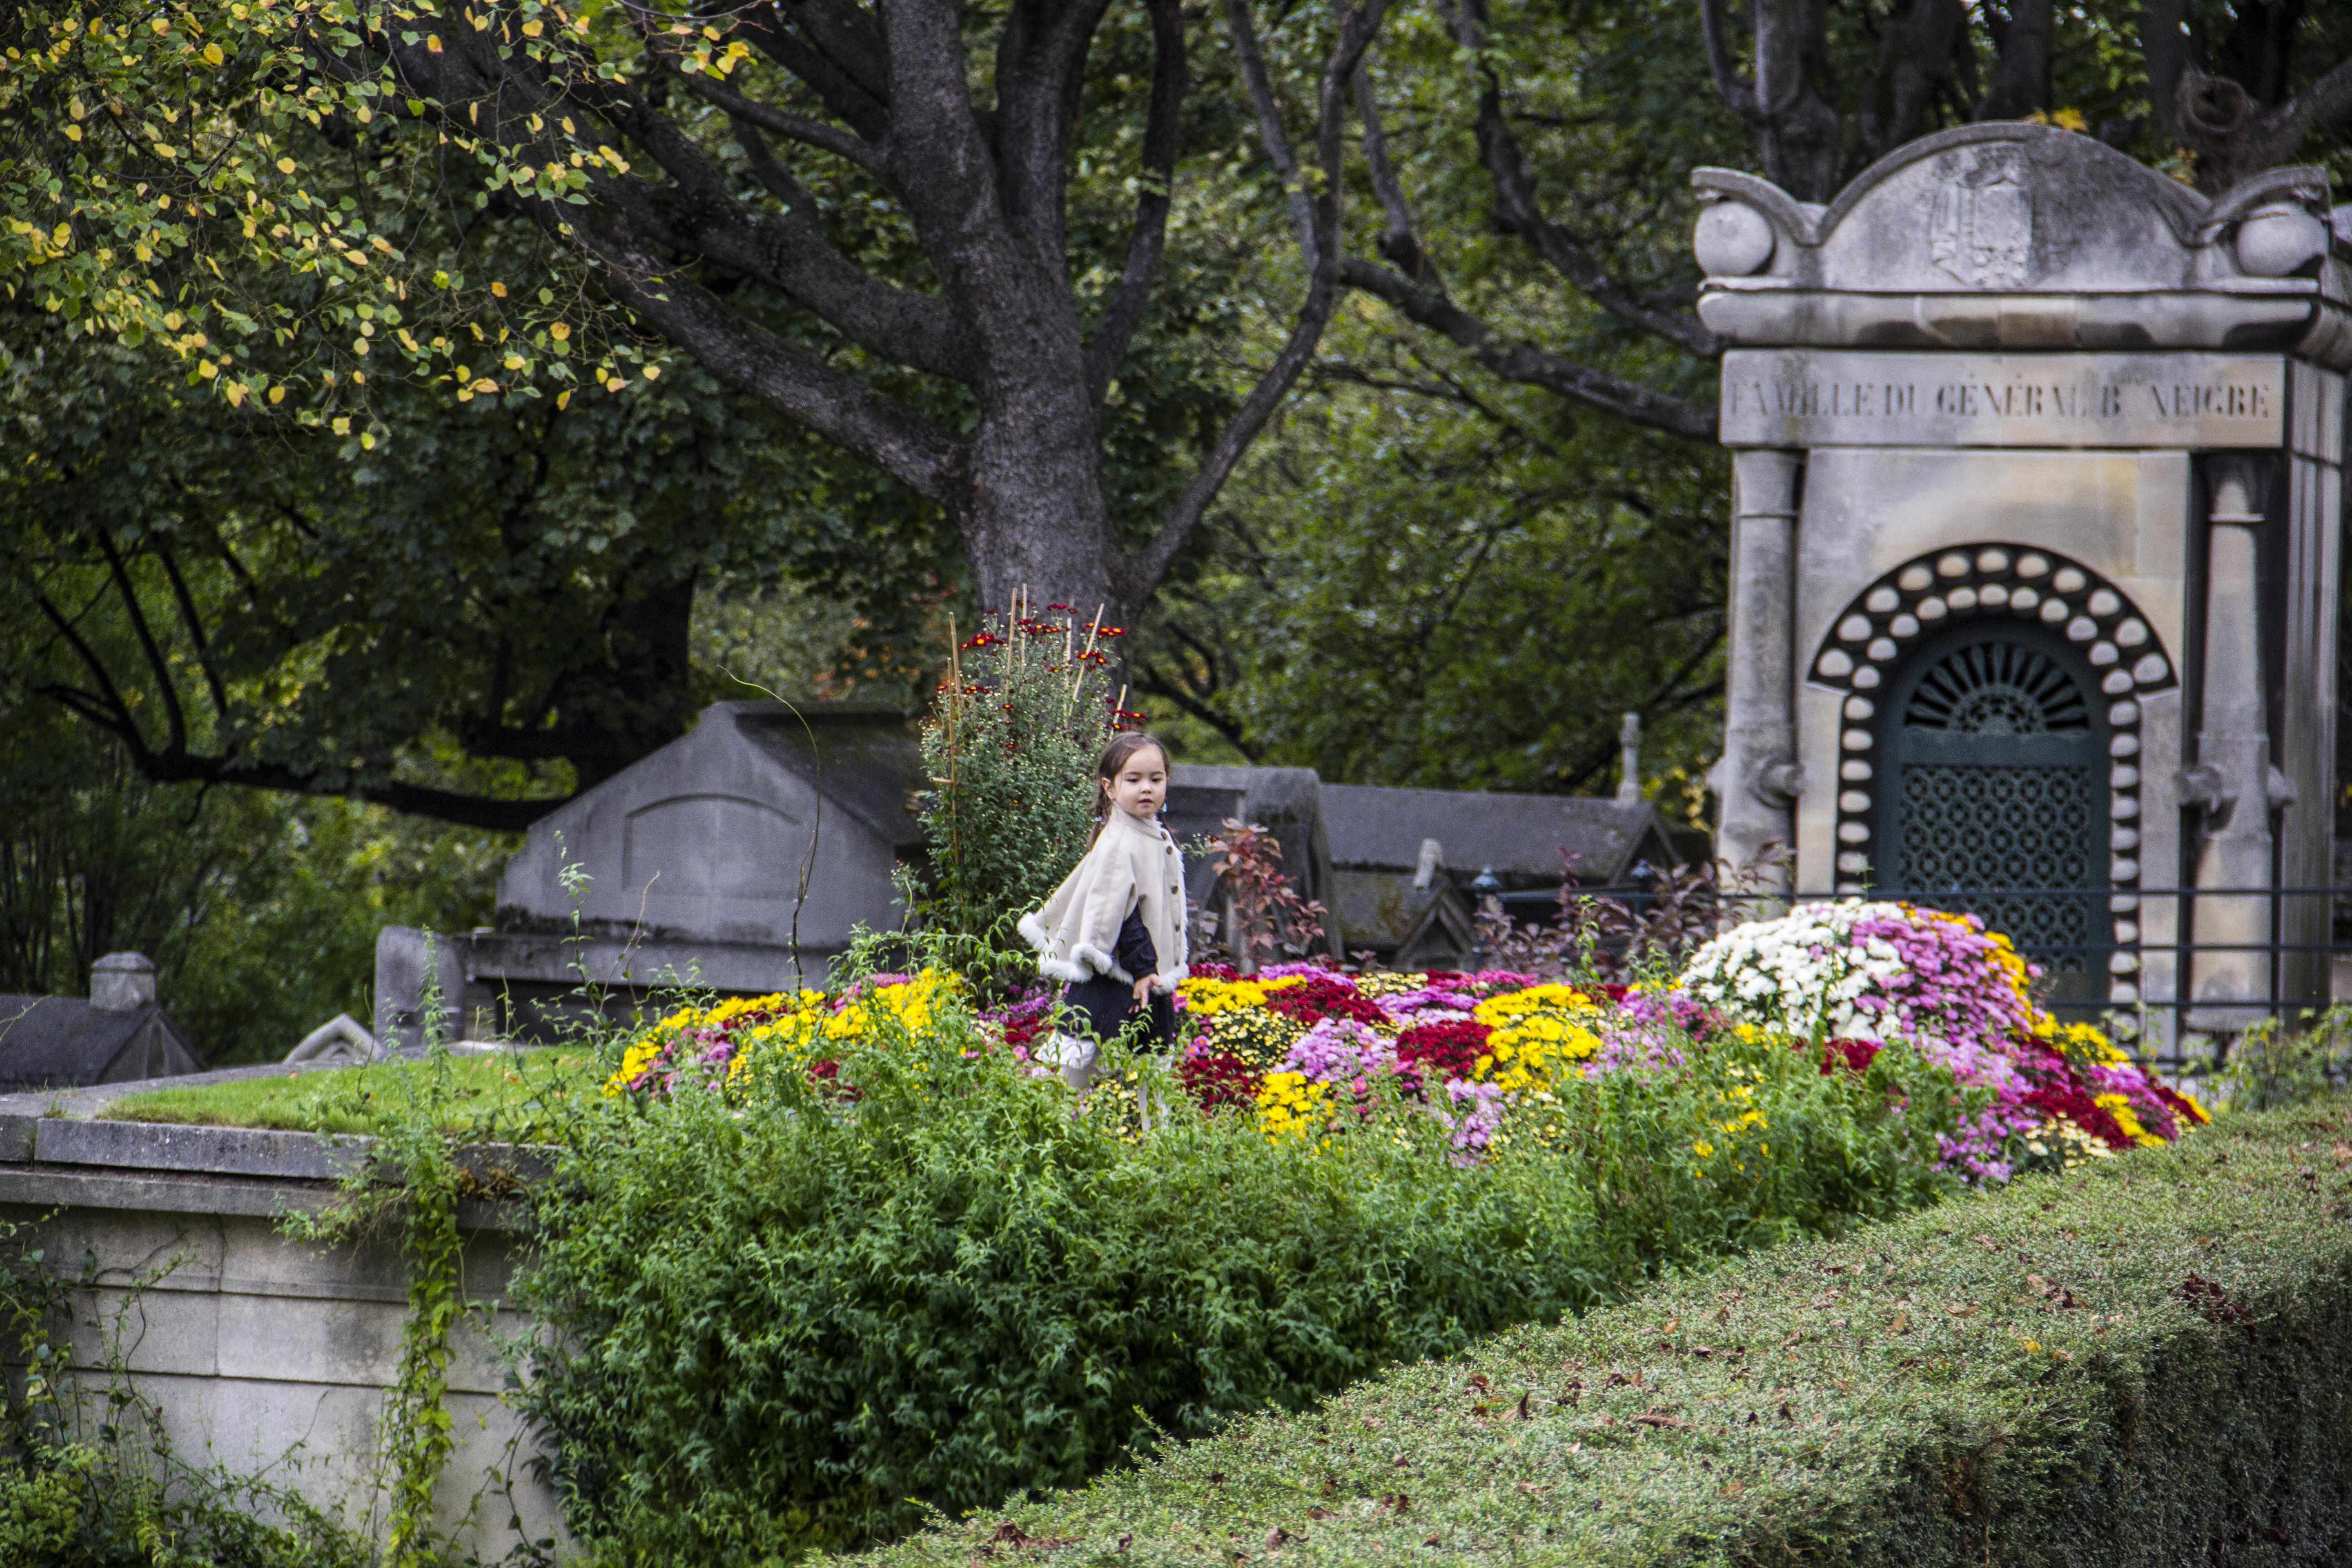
(1034, 930)
(1101, 963)
(1177, 975)
(1063, 969)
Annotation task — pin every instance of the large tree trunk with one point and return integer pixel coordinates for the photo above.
(1036, 523)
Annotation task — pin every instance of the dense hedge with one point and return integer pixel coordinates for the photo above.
(798, 1314)
(2146, 1362)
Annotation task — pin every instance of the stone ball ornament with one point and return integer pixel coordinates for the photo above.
(2279, 239)
(1732, 239)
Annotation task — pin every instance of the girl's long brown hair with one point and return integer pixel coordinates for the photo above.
(1123, 745)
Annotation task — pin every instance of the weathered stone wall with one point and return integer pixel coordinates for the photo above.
(263, 1353)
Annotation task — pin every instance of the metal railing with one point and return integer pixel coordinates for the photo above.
(2187, 1000)
(2175, 1024)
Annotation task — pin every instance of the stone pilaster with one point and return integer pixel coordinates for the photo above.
(1757, 779)
(2231, 785)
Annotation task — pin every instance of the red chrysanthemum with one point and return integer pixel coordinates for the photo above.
(1314, 999)
(1853, 1054)
(1447, 1049)
(1219, 1079)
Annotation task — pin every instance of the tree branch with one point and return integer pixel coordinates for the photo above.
(2021, 81)
(1148, 237)
(175, 718)
(1737, 95)
(1914, 55)
(1270, 130)
(1142, 571)
(195, 625)
(2164, 46)
(872, 157)
(1398, 241)
(1562, 252)
(123, 724)
(1533, 366)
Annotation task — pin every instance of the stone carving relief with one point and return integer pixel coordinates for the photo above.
(1981, 217)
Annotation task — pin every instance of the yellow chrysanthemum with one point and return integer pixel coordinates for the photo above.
(1291, 1103)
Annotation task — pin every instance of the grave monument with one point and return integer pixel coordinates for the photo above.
(2034, 556)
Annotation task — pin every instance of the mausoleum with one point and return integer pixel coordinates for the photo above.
(2035, 563)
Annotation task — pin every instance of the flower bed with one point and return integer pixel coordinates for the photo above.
(1841, 982)
(1311, 1050)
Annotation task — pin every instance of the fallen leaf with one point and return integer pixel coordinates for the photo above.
(1276, 1537)
(1216, 1477)
(1394, 1502)
(1658, 1418)
(1962, 1311)
(1478, 1380)
(2037, 1282)
(1901, 1324)
(1673, 1325)
(1531, 1487)
(1432, 1541)
(1320, 1512)
(1126, 1540)
(1526, 1412)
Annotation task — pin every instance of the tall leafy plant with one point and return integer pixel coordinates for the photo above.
(1010, 749)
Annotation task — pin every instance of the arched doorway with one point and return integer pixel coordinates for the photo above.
(1994, 742)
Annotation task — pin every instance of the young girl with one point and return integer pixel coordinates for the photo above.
(1114, 929)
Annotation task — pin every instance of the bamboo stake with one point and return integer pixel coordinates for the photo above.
(1079, 679)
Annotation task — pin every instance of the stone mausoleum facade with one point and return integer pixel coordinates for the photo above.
(2036, 567)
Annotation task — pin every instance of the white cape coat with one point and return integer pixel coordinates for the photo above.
(1133, 865)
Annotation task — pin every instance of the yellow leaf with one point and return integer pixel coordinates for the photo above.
(73, 132)
(653, 373)
(499, 289)
(513, 362)
(563, 397)
(236, 391)
(213, 54)
(433, 43)
(276, 394)
(531, 28)
(561, 331)
(207, 370)
(285, 165)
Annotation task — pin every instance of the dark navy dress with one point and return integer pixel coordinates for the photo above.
(1107, 1005)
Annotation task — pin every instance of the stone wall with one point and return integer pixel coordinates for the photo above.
(262, 1353)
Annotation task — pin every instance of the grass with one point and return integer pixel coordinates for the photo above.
(2147, 1362)
(506, 1096)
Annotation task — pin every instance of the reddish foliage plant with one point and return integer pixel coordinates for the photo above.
(1219, 1079)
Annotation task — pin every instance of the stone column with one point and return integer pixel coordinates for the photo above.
(1758, 780)
(2232, 784)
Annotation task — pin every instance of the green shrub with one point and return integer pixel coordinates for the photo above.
(2148, 1361)
(798, 1315)
(2274, 1065)
(1010, 749)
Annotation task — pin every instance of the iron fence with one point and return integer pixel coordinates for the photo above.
(2166, 963)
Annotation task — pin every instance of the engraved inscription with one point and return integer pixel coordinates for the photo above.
(1801, 398)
